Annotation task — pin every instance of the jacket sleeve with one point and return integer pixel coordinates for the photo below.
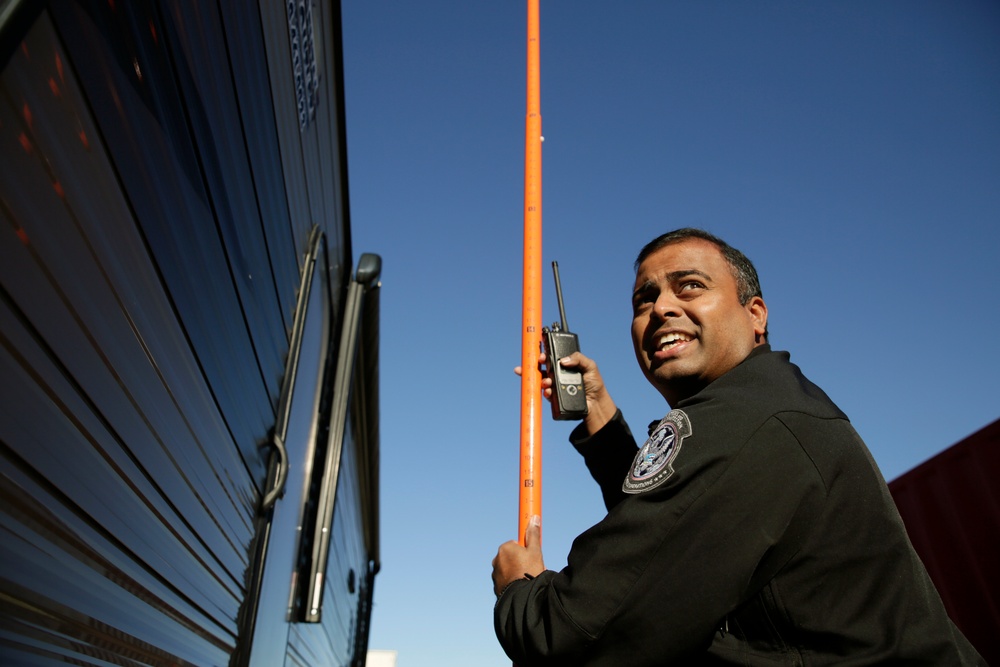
(656, 578)
(608, 455)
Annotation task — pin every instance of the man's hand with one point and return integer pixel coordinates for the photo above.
(600, 406)
(514, 562)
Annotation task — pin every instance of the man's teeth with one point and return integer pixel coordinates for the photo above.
(668, 340)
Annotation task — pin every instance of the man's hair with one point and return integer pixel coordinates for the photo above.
(747, 282)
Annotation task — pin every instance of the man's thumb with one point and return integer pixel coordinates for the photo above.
(533, 533)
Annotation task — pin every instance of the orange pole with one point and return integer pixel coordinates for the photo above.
(531, 303)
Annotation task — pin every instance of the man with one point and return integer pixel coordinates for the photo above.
(752, 528)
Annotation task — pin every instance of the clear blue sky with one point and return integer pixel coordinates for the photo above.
(851, 149)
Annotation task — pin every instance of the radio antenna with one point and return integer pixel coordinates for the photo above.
(562, 309)
(530, 483)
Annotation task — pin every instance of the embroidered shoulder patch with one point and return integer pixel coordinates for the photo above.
(653, 464)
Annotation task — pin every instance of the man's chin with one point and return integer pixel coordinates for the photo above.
(675, 384)
(669, 371)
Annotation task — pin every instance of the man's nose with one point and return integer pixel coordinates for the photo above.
(667, 305)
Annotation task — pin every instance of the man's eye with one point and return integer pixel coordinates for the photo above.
(689, 285)
(641, 300)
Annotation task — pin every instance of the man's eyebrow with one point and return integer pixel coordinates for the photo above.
(674, 276)
(671, 277)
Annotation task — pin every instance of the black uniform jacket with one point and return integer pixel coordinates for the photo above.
(768, 538)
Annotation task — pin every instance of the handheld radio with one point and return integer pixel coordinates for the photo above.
(568, 397)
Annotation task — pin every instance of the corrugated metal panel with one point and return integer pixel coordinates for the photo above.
(951, 507)
(156, 201)
(167, 144)
(109, 428)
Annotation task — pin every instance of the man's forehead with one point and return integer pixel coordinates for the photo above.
(690, 255)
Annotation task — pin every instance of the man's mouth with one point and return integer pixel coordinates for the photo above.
(669, 341)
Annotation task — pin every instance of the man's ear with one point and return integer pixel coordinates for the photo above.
(757, 310)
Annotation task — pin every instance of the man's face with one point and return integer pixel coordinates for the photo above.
(688, 326)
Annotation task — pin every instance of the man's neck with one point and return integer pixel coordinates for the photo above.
(688, 387)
